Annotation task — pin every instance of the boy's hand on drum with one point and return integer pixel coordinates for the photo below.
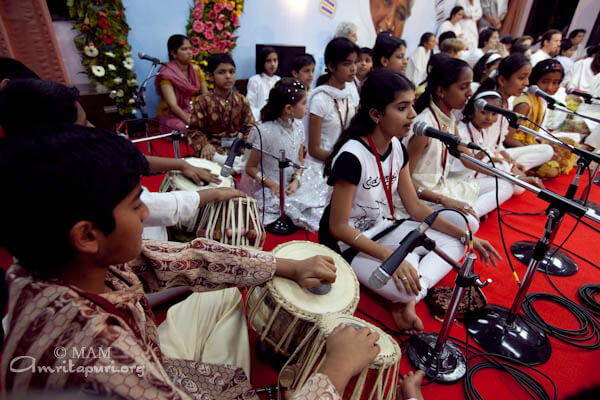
(349, 352)
(224, 194)
(406, 278)
(486, 251)
(309, 272)
(199, 175)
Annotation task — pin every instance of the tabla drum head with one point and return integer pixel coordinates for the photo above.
(342, 298)
(390, 351)
(182, 183)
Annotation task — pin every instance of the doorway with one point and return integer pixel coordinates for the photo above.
(550, 14)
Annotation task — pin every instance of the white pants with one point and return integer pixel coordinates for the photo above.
(486, 201)
(430, 266)
(531, 156)
(209, 327)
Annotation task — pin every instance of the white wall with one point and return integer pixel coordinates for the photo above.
(585, 16)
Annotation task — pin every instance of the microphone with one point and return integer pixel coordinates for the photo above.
(421, 129)
(228, 166)
(380, 277)
(482, 105)
(536, 91)
(580, 93)
(146, 57)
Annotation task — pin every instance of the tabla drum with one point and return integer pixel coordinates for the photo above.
(378, 381)
(236, 222)
(283, 313)
(176, 181)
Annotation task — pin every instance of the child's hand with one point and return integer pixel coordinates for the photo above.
(199, 175)
(349, 351)
(314, 271)
(208, 152)
(224, 194)
(292, 187)
(406, 278)
(273, 187)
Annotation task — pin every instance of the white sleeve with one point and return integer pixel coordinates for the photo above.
(171, 208)
(252, 95)
(319, 106)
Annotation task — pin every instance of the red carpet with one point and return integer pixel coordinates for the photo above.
(571, 369)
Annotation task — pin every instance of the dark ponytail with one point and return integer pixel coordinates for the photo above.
(336, 52)
(444, 72)
(286, 91)
(377, 92)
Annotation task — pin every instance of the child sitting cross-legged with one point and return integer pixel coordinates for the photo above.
(80, 285)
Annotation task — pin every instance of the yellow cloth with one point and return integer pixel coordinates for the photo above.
(536, 114)
(209, 327)
(163, 107)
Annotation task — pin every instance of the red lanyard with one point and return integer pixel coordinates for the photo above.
(386, 188)
(337, 107)
(444, 148)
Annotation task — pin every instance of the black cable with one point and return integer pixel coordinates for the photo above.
(587, 295)
(589, 327)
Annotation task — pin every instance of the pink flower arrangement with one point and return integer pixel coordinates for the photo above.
(219, 26)
(212, 14)
(209, 34)
(195, 51)
(209, 26)
(219, 7)
(198, 26)
(197, 13)
(195, 40)
(228, 6)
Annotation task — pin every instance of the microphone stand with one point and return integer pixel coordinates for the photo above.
(560, 107)
(555, 262)
(140, 102)
(442, 360)
(505, 331)
(283, 225)
(175, 135)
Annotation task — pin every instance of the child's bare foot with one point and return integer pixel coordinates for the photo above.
(406, 318)
(410, 385)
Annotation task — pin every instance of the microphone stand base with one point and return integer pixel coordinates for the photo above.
(282, 226)
(447, 367)
(560, 264)
(519, 341)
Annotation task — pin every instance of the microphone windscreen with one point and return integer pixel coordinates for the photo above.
(419, 128)
(141, 55)
(480, 104)
(533, 89)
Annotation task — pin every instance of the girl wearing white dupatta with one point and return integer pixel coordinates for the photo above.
(473, 14)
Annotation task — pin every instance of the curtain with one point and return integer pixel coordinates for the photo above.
(510, 25)
(27, 34)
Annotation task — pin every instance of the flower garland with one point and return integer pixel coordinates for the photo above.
(106, 55)
(211, 27)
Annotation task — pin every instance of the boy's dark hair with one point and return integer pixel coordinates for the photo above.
(366, 50)
(446, 35)
(485, 35)
(519, 48)
(261, 58)
(53, 102)
(545, 67)
(174, 43)
(14, 69)
(286, 91)
(336, 52)
(216, 59)
(385, 46)
(378, 90)
(565, 45)
(59, 177)
(302, 61)
(576, 32)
